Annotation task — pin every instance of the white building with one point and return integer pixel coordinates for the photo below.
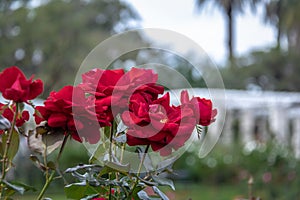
(258, 115)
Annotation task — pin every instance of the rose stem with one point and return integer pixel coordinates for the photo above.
(122, 153)
(139, 170)
(59, 155)
(8, 145)
(142, 161)
(110, 153)
(110, 141)
(62, 148)
(50, 179)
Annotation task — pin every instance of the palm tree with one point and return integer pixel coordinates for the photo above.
(230, 8)
(274, 15)
(290, 23)
(285, 16)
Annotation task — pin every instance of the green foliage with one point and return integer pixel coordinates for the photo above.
(82, 190)
(93, 181)
(51, 39)
(272, 70)
(181, 74)
(14, 144)
(272, 166)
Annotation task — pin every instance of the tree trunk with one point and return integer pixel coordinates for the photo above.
(278, 12)
(230, 36)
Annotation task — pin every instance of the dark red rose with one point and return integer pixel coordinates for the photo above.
(137, 81)
(158, 124)
(207, 114)
(100, 82)
(203, 108)
(8, 113)
(70, 110)
(138, 113)
(113, 88)
(139, 87)
(14, 85)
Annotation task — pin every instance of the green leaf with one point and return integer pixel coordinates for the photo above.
(163, 181)
(160, 193)
(118, 167)
(94, 168)
(149, 183)
(143, 195)
(81, 190)
(14, 144)
(136, 191)
(25, 186)
(105, 170)
(90, 197)
(100, 153)
(17, 188)
(76, 190)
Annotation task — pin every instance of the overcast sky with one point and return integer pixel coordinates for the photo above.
(207, 27)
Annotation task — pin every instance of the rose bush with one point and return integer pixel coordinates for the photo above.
(93, 112)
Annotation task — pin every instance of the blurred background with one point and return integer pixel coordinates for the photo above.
(254, 43)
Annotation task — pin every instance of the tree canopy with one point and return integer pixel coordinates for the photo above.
(51, 39)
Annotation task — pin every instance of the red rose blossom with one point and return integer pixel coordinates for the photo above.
(113, 88)
(14, 85)
(100, 82)
(70, 110)
(158, 124)
(202, 108)
(136, 80)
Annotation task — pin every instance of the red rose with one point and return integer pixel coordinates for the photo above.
(137, 81)
(8, 113)
(100, 82)
(138, 113)
(112, 89)
(207, 114)
(158, 124)
(70, 110)
(202, 108)
(14, 85)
